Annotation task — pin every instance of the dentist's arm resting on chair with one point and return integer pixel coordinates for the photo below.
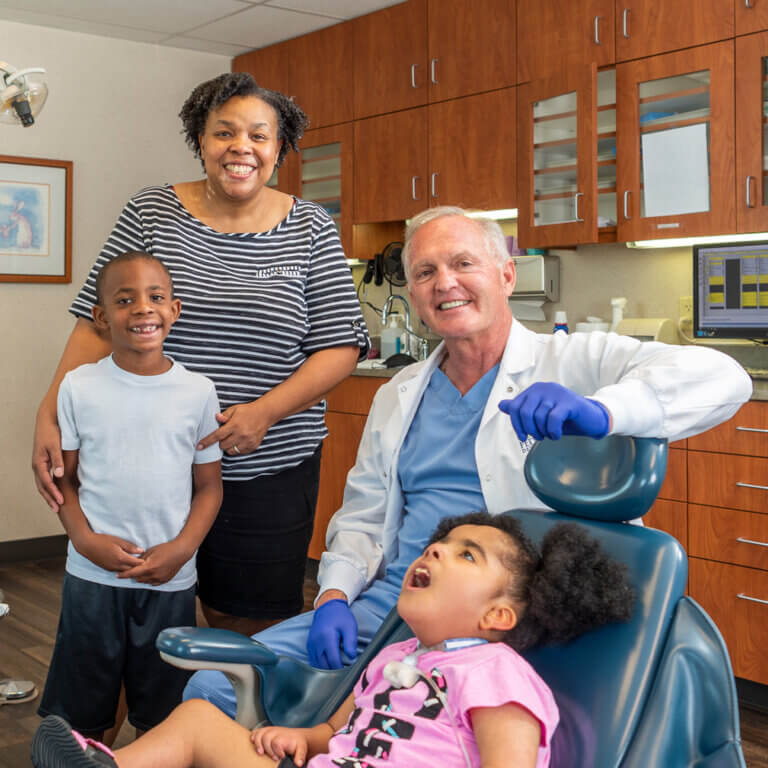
(550, 410)
(333, 627)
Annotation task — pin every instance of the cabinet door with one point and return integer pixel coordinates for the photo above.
(670, 517)
(327, 175)
(390, 59)
(557, 172)
(272, 67)
(554, 36)
(752, 133)
(751, 16)
(745, 433)
(646, 27)
(675, 144)
(472, 151)
(391, 166)
(471, 46)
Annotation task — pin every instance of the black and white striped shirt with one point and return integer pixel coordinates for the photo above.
(254, 307)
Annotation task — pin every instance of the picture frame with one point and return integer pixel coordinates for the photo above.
(35, 220)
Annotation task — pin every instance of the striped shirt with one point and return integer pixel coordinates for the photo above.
(254, 307)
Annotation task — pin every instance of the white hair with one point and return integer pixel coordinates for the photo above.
(495, 242)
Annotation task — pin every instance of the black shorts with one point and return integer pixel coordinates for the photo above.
(251, 564)
(106, 638)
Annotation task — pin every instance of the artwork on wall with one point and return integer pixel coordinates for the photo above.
(35, 220)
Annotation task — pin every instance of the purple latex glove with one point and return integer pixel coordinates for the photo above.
(546, 409)
(333, 626)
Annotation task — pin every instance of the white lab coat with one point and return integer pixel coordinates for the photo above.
(650, 389)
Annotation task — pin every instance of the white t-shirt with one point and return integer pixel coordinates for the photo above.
(137, 438)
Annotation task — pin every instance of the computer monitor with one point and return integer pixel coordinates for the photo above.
(730, 291)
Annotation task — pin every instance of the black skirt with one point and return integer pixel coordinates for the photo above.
(251, 564)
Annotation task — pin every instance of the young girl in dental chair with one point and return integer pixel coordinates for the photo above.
(457, 694)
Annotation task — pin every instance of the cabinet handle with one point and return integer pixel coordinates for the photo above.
(625, 23)
(413, 187)
(750, 204)
(597, 29)
(742, 540)
(576, 206)
(413, 75)
(752, 485)
(748, 4)
(433, 71)
(752, 429)
(626, 205)
(433, 184)
(752, 599)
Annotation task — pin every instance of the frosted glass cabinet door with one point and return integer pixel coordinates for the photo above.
(556, 155)
(752, 133)
(675, 144)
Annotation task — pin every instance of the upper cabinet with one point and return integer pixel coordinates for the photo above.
(556, 36)
(390, 55)
(751, 16)
(646, 27)
(471, 47)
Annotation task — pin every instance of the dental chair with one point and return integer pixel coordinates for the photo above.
(655, 691)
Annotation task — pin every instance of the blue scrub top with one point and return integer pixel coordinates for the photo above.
(437, 469)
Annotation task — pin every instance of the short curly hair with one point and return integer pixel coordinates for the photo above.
(570, 587)
(291, 119)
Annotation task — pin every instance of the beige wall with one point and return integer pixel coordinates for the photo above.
(112, 110)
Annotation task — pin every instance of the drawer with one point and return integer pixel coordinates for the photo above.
(675, 481)
(728, 535)
(728, 480)
(354, 394)
(742, 622)
(670, 517)
(746, 433)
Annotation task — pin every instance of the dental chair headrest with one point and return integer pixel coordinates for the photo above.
(613, 479)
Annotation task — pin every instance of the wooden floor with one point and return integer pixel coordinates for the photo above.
(26, 642)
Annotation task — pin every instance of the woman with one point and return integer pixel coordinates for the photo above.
(269, 313)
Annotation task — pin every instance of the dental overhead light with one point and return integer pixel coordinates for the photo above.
(21, 96)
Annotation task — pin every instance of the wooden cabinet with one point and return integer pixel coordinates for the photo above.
(348, 406)
(751, 132)
(751, 16)
(471, 45)
(670, 511)
(555, 37)
(666, 93)
(746, 433)
(647, 27)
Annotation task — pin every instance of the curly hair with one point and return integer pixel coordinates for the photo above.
(568, 588)
(121, 258)
(291, 119)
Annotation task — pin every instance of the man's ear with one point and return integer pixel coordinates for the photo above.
(501, 616)
(99, 317)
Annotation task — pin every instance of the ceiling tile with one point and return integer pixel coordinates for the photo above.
(338, 9)
(260, 26)
(207, 46)
(75, 25)
(169, 16)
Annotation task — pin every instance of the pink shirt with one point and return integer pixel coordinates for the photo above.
(407, 727)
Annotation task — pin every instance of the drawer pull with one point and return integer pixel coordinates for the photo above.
(752, 429)
(742, 540)
(752, 599)
(752, 485)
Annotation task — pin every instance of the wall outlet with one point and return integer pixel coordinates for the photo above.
(686, 308)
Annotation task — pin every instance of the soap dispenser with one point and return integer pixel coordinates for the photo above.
(617, 309)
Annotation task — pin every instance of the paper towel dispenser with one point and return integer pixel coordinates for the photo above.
(538, 277)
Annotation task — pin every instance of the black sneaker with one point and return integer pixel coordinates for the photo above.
(56, 745)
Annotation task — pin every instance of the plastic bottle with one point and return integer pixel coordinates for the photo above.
(391, 336)
(617, 308)
(561, 322)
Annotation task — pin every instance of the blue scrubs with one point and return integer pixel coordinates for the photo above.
(438, 476)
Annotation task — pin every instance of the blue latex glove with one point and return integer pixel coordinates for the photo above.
(546, 409)
(334, 625)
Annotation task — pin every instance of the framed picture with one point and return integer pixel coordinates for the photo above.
(35, 220)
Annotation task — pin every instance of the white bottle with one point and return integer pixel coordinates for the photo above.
(391, 336)
(617, 309)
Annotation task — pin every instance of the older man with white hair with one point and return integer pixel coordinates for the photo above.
(450, 434)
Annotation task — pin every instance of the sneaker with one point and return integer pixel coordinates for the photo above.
(56, 745)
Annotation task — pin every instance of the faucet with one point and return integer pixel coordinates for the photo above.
(385, 312)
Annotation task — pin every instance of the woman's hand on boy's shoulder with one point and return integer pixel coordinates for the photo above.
(278, 743)
(159, 564)
(108, 552)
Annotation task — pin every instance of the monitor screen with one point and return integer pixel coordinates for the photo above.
(730, 291)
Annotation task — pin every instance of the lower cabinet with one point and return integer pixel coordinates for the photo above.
(348, 406)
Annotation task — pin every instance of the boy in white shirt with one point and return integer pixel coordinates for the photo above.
(138, 500)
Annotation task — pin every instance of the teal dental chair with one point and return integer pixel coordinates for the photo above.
(655, 691)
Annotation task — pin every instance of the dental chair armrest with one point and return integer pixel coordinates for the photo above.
(233, 654)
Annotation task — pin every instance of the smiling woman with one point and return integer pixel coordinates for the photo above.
(269, 314)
